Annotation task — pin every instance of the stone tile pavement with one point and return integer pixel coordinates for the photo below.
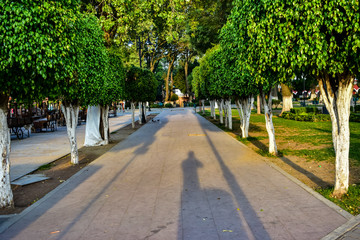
(178, 178)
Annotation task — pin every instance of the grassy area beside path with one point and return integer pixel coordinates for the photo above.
(305, 151)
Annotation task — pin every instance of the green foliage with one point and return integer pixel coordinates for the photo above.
(113, 88)
(276, 102)
(315, 37)
(303, 116)
(354, 117)
(89, 60)
(202, 74)
(153, 105)
(205, 21)
(357, 108)
(174, 97)
(36, 40)
(305, 110)
(140, 85)
(310, 114)
(169, 105)
(179, 80)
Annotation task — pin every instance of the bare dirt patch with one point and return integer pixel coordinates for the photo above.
(61, 169)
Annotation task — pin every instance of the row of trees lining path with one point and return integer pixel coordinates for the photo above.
(55, 50)
(73, 51)
(266, 43)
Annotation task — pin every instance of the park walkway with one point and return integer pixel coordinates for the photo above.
(29, 154)
(177, 178)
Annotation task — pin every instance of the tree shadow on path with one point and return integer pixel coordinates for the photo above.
(207, 213)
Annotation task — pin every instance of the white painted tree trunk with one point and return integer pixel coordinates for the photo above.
(105, 118)
(140, 112)
(239, 108)
(92, 132)
(229, 113)
(212, 107)
(214, 104)
(145, 109)
(71, 113)
(337, 101)
(203, 106)
(258, 103)
(244, 109)
(287, 104)
(6, 195)
(225, 113)
(269, 123)
(132, 104)
(220, 112)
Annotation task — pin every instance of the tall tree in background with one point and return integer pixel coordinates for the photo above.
(206, 18)
(140, 86)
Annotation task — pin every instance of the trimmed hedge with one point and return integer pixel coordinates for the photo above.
(357, 108)
(153, 105)
(308, 117)
(354, 117)
(169, 105)
(313, 115)
(305, 110)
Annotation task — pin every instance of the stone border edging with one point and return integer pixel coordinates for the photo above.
(17, 217)
(343, 229)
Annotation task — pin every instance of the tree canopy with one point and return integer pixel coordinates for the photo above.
(36, 43)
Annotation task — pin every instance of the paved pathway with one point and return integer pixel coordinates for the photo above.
(179, 178)
(41, 148)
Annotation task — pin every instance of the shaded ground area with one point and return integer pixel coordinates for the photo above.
(61, 169)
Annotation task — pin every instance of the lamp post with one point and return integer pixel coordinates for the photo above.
(139, 48)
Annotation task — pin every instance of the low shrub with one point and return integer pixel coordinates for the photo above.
(276, 103)
(169, 105)
(305, 110)
(174, 97)
(308, 117)
(154, 105)
(354, 117)
(357, 108)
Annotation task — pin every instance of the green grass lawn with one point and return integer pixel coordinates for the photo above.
(317, 134)
(313, 141)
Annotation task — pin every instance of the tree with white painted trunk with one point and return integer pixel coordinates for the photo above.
(140, 87)
(84, 84)
(228, 81)
(201, 78)
(221, 116)
(283, 42)
(260, 79)
(31, 61)
(266, 100)
(112, 89)
(243, 106)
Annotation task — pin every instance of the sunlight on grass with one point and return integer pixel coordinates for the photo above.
(350, 202)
